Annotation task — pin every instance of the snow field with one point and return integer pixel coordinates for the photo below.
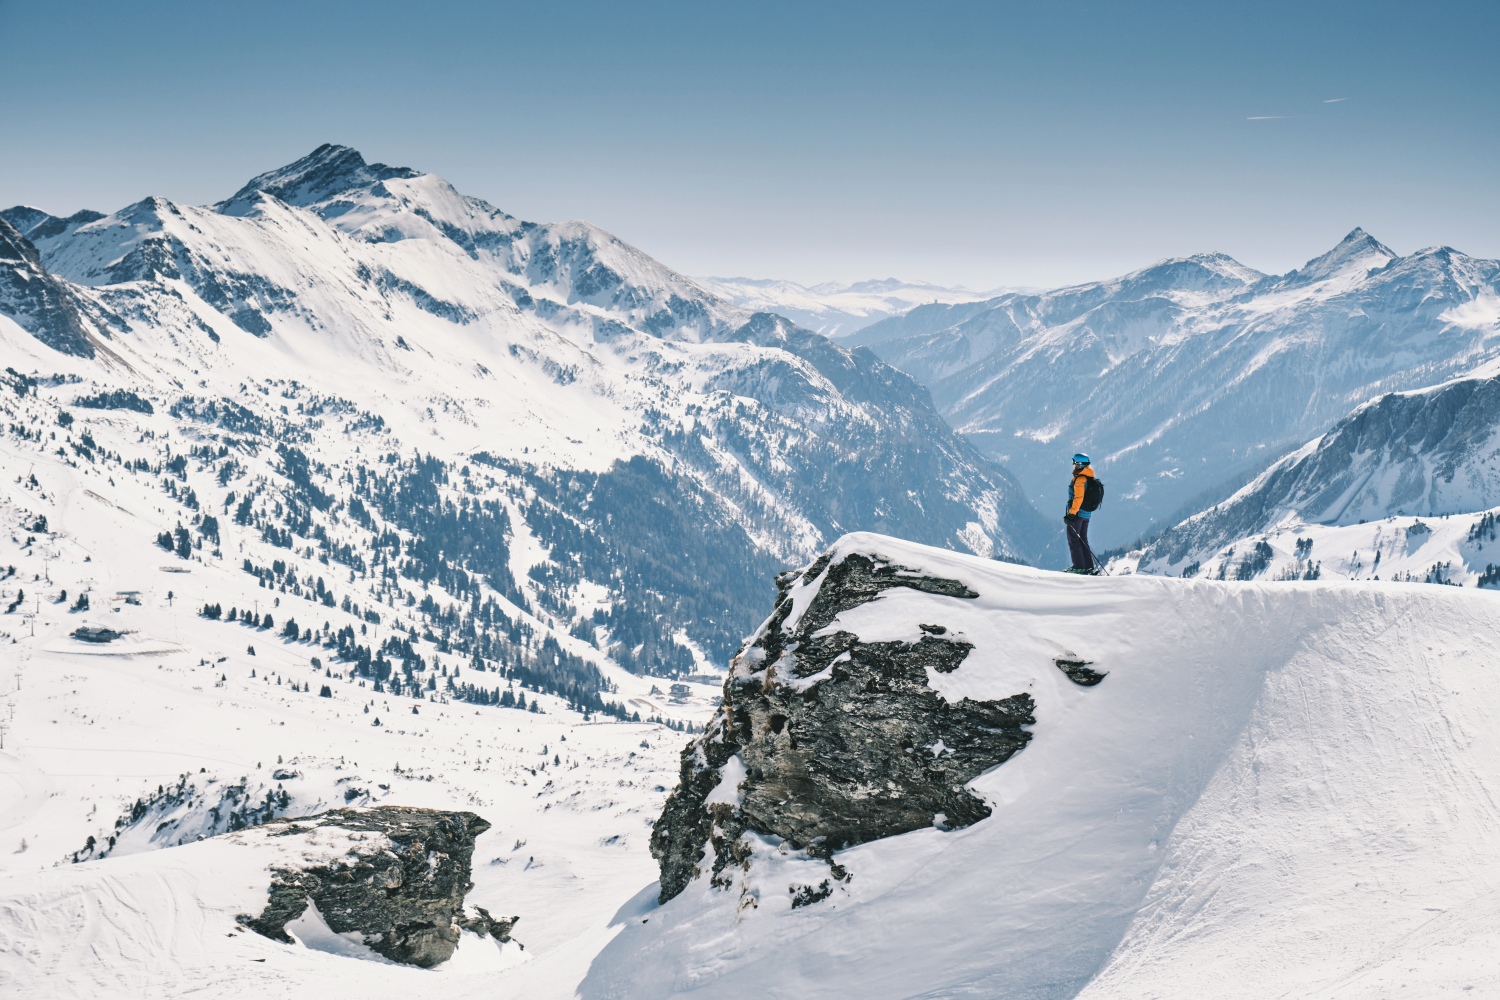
(89, 729)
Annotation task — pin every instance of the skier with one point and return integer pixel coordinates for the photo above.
(1082, 502)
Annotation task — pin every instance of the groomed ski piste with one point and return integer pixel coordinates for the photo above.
(1278, 790)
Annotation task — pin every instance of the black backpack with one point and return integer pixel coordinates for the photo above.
(1093, 494)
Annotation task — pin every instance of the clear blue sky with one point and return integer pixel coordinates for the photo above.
(984, 143)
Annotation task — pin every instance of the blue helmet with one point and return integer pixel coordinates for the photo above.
(1080, 459)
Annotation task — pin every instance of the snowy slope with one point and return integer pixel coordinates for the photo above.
(638, 426)
(1405, 456)
(1452, 549)
(834, 308)
(113, 753)
(1221, 800)
(1183, 380)
(1275, 791)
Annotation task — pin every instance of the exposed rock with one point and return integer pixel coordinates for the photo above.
(401, 885)
(39, 302)
(838, 741)
(485, 925)
(1080, 671)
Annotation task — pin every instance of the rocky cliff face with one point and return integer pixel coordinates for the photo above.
(40, 303)
(825, 740)
(397, 877)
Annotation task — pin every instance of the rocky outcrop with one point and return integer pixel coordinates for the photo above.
(825, 740)
(42, 305)
(397, 877)
(1080, 672)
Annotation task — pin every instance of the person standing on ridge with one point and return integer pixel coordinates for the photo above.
(1085, 494)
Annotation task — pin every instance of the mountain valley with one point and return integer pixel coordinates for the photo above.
(401, 599)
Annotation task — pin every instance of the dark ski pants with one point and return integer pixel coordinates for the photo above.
(1078, 543)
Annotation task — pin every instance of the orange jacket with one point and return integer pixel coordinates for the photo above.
(1078, 484)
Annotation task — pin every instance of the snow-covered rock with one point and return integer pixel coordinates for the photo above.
(836, 741)
(394, 880)
(1273, 790)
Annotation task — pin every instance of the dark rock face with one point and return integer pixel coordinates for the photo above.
(404, 891)
(36, 300)
(1080, 672)
(842, 741)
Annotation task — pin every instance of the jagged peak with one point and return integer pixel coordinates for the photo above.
(36, 224)
(15, 248)
(326, 171)
(25, 217)
(1358, 251)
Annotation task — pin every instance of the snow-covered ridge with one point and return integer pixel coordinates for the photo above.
(1425, 453)
(1186, 378)
(1273, 790)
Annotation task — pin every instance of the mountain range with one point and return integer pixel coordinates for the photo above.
(1420, 468)
(380, 578)
(834, 308)
(654, 449)
(1185, 379)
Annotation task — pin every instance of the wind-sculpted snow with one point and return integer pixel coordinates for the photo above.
(1253, 790)
(1183, 380)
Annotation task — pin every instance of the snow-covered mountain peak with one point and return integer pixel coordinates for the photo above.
(590, 377)
(37, 225)
(1289, 355)
(24, 217)
(327, 171)
(1199, 272)
(1356, 254)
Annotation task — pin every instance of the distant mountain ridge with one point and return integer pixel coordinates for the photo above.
(837, 309)
(1193, 374)
(1427, 453)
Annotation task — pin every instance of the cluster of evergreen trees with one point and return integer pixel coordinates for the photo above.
(234, 809)
(430, 538)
